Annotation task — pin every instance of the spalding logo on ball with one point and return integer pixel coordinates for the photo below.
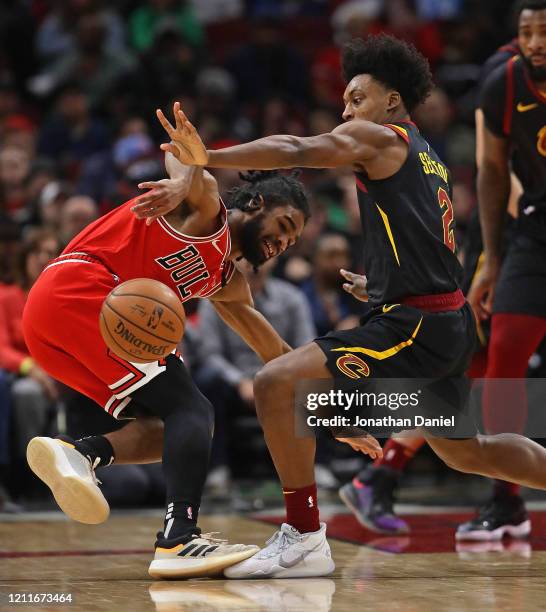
(142, 320)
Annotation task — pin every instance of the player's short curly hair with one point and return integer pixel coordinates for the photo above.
(275, 188)
(531, 5)
(393, 62)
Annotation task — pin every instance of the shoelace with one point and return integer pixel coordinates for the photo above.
(94, 466)
(210, 537)
(284, 539)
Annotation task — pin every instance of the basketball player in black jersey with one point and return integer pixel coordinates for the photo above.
(371, 493)
(513, 103)
(420, 325)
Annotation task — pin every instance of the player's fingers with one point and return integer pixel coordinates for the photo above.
(164, 122)
(177, 117)
(350, 276)
(348, 288)
(148, 185)
(170, 148)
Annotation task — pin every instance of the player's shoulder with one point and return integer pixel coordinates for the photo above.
(368, 131)
(499, 58)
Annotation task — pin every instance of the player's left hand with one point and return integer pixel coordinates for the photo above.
(364, 444)
(163, 197)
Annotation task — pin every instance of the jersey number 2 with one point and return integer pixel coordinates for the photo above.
(447, 218)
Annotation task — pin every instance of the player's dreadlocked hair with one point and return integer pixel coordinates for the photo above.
(531, 5)
(393, 62)
(275, 188)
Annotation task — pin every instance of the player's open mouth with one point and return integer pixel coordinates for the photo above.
(269, 251)
(538, 60)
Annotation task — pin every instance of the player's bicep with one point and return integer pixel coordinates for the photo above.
(495, 153)
(349, 143)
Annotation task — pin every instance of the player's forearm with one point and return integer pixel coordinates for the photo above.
(275, 152)
(493, 195)
(178, 171)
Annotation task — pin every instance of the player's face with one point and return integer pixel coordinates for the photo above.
(269, 233)
(532, 41)
(366, 98)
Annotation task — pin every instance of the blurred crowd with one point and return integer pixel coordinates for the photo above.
(79, 84)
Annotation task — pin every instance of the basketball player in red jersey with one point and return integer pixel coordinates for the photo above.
(420, 325)
(192, 250)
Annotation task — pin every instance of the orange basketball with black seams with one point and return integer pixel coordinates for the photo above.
(142, 320)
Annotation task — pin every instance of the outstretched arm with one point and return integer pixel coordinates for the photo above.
(349, 143)
(187, 184)
(235, 307)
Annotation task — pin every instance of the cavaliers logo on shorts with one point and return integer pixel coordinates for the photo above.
(352, 366)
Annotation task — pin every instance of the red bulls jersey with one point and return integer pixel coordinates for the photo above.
(192, 267)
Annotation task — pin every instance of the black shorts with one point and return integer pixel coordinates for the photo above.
(402, 342)
(397, 341)
(521, 288)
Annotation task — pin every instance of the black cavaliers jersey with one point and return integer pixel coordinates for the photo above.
(408, 227)
(514, 109)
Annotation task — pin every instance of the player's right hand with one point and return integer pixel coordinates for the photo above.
(186, 144)
(482, 291)
(164, 196)
(364, 444)
(356, 285)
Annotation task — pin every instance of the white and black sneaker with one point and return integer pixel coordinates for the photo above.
(71, 478)
(504, 515)
(195, 556)
(288, 554)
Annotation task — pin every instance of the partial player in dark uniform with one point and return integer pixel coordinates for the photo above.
(420, 325)
(513, 103)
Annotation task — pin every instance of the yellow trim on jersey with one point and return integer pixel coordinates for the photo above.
(387, 352)
(389, 232)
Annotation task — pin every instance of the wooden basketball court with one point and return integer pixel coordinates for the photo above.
(104, 567)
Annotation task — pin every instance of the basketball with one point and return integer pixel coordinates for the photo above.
(142, 320)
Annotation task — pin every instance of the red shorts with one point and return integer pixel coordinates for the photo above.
(61, 328)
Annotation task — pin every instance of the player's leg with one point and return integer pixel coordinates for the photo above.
(300, 548)
(510, 457)
(370, 495)
(505, 410)
(188, 419)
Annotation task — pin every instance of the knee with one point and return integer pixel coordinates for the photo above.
(274, 380)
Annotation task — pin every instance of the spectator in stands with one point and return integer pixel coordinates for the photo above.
(225, 366)
(32, 391)
(268, 65)
(77, 212)
(331, 306)
(92, 64)
(71, 134)
(55, 35)
(147, 20)
(14, 170)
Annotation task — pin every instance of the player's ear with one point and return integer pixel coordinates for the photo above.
(256, 204)
(394, 100)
